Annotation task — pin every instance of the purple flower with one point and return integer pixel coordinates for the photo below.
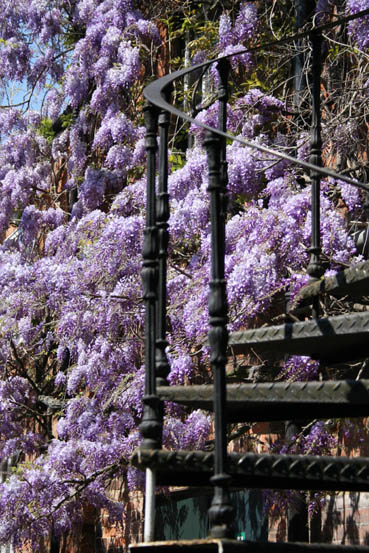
(358, 28)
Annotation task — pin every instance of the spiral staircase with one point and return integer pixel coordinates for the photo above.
(333, 339)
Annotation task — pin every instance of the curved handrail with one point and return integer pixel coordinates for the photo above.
(156, 93)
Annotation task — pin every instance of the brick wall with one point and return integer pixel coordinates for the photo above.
(344, 519)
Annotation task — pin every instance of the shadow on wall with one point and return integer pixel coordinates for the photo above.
(344, 515)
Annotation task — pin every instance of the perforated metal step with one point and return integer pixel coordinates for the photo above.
(333, 339)
(279, 400)
(352, 282)
(252, 470)
(230, 546)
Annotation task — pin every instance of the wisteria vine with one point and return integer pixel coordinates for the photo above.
(72, 208)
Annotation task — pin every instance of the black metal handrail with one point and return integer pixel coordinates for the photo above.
(156, 93)
(158, 106)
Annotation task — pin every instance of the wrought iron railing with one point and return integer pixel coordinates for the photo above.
(287, 472)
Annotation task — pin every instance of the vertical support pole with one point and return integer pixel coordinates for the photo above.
(315, 268)
(221, 510)
(303, 12)
(299, 83)
(297, 512)
(150, 506)
(151, 425)
(223, 70)
(162, 365)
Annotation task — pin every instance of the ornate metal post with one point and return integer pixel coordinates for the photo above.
(162, 216)
(315, 268)
(151, 425)
(303, 12)
(223, 70)
(221, 510)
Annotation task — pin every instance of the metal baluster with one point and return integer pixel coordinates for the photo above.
(223, 69)
(304, 10)
(151, 425)
(221, 510)
(315, 268)
(162, 216)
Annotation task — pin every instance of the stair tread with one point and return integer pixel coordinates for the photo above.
(352, 282)
(278, 400)
(253, 470)
(332, 339)
(229, 545)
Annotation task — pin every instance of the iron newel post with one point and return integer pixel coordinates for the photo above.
(151, 425)
(221, 510)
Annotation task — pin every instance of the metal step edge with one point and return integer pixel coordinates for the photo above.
(350, 282)
(253, 470)
(340, 338)
(278, 400)
(229, 545)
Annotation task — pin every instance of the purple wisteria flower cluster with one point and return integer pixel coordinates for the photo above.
(358, 28)
(72, 215)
